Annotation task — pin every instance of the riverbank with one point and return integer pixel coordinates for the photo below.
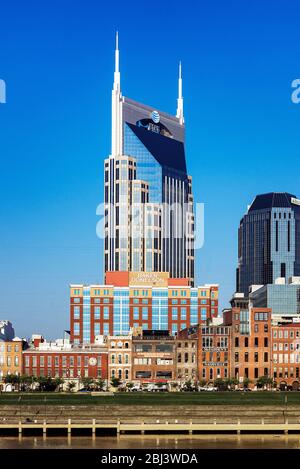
(257, 398)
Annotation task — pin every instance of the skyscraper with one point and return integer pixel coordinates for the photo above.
(269, 241)
(149, 219)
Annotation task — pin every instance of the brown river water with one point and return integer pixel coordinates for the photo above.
(154, 442)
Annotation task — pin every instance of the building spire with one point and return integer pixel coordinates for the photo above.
(179, 113)
(117, 68)
(116, 136)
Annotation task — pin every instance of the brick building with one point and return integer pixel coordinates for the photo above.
(120, 357)
(11, 357)
(250, 342)
(65, 360)
(153, 356)
(187, 355)
(286, 355)
(214, 347)
(150, 300)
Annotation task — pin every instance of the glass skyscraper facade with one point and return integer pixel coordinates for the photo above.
(149, 218)
(284, 299)
(269, 241)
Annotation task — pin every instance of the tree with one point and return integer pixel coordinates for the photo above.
(100, 383)
(246, 382)
(231, 383)
(188, 386)
(129, 385)
(58, 382)
(46, 383)
(264, 381)
(87, 383)
(70, 386)
(220, 384)
(13, 379)
(202, 383)
(115, 382)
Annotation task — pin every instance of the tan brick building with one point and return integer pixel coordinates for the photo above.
(153, 357)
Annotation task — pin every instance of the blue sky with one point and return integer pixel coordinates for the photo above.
(242, 130)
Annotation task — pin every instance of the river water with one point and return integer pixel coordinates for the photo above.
(154, 441)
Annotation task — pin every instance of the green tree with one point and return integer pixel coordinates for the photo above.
(129, 385)
(264, 381)
(202, 383)
(70, 386)
(58, 382)
(188, 386)
(231, 383)
(115, 382)
(13, 379)
(46, 383)
(220, 384)
(100, 384)
(87, 383)
(246, 382)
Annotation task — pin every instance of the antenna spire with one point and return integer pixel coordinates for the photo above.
(117, 81)
(179, 113)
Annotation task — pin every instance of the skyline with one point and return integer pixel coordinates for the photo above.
(49, 230)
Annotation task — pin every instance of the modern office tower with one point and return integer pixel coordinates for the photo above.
(283, 298)
(149, 219)
(150, 300)
(269, 241)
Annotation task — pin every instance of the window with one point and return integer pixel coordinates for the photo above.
(256, 357)
(266, 342)
(256, 341)
(174, 313)
(76, 312)
(236, 342)
(145, 312)
(246, 342)
(106, 312)
(236, 357)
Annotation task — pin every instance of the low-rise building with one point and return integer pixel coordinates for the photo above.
(120, 357)
(11, 357)
(153, 356)
(187, 355)
(62, 359)
(286, 355)
(10, 351)
(250, 342)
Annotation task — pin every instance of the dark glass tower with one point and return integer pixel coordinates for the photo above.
(149, 215)
(269, 241)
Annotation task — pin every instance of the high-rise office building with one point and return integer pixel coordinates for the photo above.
(269, 241)
(149, 219)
